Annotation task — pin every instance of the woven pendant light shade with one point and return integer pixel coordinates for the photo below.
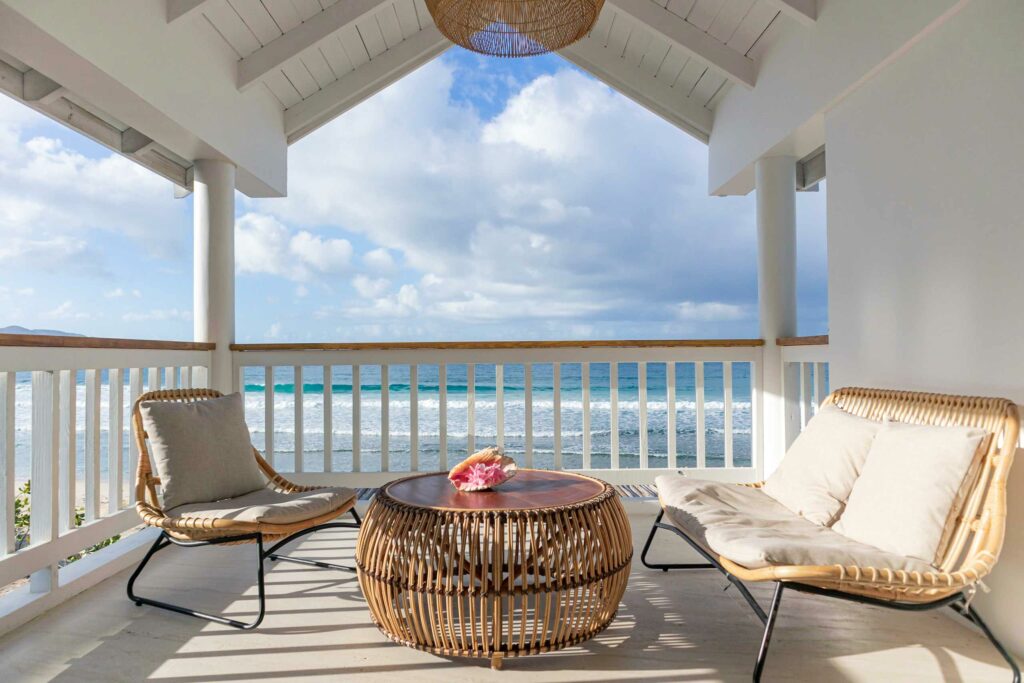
(514, 28)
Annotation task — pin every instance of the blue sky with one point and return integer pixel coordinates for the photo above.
(475, 199)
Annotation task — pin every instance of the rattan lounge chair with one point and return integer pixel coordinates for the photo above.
(973, 540)
(192, 530)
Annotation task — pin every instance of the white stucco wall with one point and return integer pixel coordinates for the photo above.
(926, 235)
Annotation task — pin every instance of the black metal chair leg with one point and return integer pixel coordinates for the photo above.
(769, 625)
(972, 615)
(162, 542)
(665, 567)
(272, 553)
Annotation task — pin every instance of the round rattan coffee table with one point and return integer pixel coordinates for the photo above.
(537, 565)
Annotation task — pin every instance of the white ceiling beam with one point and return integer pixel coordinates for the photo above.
(678, 31)
(134, 142)
(804, 11)
(38, 88)
(49, 97)
(304, 36)
(657, 96)
(363, 83)
(182, 9)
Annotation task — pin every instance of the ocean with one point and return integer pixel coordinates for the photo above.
(485, 428)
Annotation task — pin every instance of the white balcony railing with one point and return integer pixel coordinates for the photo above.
(65, 427)
(360, 415)
(805, 380)
(624, 411)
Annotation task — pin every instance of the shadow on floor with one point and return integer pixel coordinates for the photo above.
(671, 627)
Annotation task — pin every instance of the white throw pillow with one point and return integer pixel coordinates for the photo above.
(908, 488)
(201, 450)
(819, 470)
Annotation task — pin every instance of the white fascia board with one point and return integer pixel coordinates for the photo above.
(650, 93)
(304, 36)
(676, 30)
(174, 83)
(807, 72)
(366, 81)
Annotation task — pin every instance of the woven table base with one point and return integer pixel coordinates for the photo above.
(495, 582)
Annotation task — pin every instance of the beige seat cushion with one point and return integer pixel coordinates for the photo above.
(201, 449)
(910, 483)
(752, 529)
(818, 472)
(268, 506)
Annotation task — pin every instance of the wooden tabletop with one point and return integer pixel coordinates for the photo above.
(528, 490)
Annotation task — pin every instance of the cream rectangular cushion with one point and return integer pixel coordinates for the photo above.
(752, 529)
(267, 506)
(201, 449)
(911, 482)
(819, 470)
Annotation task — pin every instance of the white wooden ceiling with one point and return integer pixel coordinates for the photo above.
(635, 47)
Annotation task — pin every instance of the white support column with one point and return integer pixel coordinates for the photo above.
(776, 290)
(214, 265)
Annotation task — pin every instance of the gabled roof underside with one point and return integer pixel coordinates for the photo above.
(241, 79)
(319, 58)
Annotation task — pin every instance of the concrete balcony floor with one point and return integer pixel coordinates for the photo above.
(675, 626)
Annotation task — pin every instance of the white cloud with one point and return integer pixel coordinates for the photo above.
(66, 311)
(379, 260)
(120, 292)
(571, 204)
(158, 314)
(52, 193)
(370, 288)
(710, 311)
(263, 244)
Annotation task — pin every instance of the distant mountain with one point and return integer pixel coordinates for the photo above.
(18, 329)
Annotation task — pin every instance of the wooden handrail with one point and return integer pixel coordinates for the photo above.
(818, 340)
(58, 341)
(568, 344)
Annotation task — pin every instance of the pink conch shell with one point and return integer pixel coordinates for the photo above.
(483, 470)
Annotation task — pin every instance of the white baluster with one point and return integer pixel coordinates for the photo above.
(698, 374)
(328, 372)
(499, 404)
(268, 414)
(115, 439)
(7, 493)
(585, 386)
(820, 387)
(556, 390)
(442, 414)
(385, 419)
(670, 417)
(357, 428)
(299, 421)
(641, 376)
(68, 446)
(44, 525)
(470, 407)
(134, 391)
(613, 396)
(92, 445)
(727, 407)
(806, 393)
(528, 413)
(414, 417)
(153, 380)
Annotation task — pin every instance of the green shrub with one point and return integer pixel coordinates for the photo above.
(23, 513)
